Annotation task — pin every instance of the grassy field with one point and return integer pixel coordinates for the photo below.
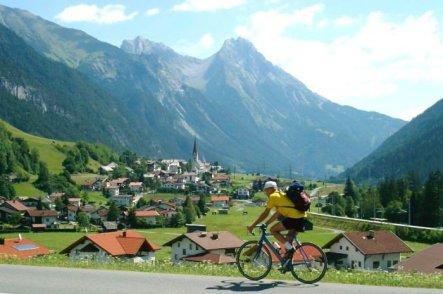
(234, 222)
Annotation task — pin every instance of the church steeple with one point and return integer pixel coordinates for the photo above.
(195, 151)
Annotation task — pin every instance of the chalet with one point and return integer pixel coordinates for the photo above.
(242, 193)
(111, 191)
(371, 250)
(6, 213)
(108, 168)
(136, 187)
(147, 216)
(15, 206)
(75, 201)
(96, 184)
(123, 200)
(21, 248)
(153, 166)
(223, 180)
(99, 215)
(29, 201)
(191, 177)
(126, 245)
(47, 218)
(427, 261)
(220, 201)
(199, 246)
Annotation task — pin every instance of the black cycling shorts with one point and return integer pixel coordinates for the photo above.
(297, 224)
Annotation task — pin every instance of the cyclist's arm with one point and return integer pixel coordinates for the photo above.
(261, 218)
(273, 218)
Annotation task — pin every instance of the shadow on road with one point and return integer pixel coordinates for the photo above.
(250, 286)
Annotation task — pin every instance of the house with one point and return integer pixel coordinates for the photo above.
(112, 190)
(75, 201)
(21, 248)
(127, 245)
(99, 215)
(427, 261)
(242, 193)
(15, 206)
(220, 201)
(29, 201)
(94, 184)
(372, 250)
(108, 168)
(147, 216)
(123, 200)
(42, 218)
(198, 246)
(136, 187)
(6, 213)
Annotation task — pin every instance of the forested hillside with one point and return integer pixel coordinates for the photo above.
(416, 148)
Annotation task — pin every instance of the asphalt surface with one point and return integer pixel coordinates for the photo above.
(50, 280)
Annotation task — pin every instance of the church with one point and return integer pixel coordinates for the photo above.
(198, 166)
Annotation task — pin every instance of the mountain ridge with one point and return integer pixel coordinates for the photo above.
(244, 111)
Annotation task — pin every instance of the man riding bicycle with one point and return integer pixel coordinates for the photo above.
(292, 221)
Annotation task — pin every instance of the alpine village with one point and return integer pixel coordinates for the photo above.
(119, 158)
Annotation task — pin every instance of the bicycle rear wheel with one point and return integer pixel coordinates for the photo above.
(252, 263)
(309, 263)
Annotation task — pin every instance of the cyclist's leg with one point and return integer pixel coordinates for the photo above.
(276, 230)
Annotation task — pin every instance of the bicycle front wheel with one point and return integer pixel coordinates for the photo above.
(252, 262)
(309, 263)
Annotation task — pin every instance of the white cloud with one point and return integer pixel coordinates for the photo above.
(152, 11)
(345, 21)
(206, 41)
(207, 5)
(371, 63)
(92, 13)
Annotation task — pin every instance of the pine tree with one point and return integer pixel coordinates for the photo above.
(189, 210)
(113, 212)
(431, 200)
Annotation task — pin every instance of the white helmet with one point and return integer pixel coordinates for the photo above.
(270, 184)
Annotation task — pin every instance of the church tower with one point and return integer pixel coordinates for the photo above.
(195, 151)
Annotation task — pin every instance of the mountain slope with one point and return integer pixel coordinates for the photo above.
(49, 99)
(417, 147)
(244, 111)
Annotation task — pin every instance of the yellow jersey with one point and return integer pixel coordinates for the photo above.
(284, 205)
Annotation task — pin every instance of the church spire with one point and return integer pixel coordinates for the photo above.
(195, 151)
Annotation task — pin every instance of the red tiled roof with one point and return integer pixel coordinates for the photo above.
(23, 248)
(381, 242)
(116, 243)
(146, 213)
(219, 198)
(17, 205)
(429, 260)
(40, 213)
(210, 240)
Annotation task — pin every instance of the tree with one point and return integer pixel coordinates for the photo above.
(83, 219)
(350, 190)
(132, 219)
(189, 210)
(14, 219)
(113, 212)
(201, 204)
(59, 205)
(350, 209)
(433, 192)
(43, 177)
(6, 188)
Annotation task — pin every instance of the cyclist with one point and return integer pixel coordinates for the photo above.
(289, 218)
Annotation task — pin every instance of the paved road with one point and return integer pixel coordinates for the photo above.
(46, 280)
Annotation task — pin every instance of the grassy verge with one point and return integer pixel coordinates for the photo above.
(234, 222)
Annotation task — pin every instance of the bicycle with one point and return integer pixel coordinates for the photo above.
(306, 261)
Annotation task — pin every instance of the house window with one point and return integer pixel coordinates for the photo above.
(184, 251)
(341, 247)
(190, 246)
(356, 250)
(175, 256)
(389, 263)
(376, 264)
(347, 248)
(359, 264)
(178, 244)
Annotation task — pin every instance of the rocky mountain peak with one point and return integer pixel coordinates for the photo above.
(140, 46)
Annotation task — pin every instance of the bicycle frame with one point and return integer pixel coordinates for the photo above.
(264, 240)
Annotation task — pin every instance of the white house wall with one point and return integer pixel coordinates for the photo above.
(184, 248)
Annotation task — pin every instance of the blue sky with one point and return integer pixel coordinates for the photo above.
(375, 55)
